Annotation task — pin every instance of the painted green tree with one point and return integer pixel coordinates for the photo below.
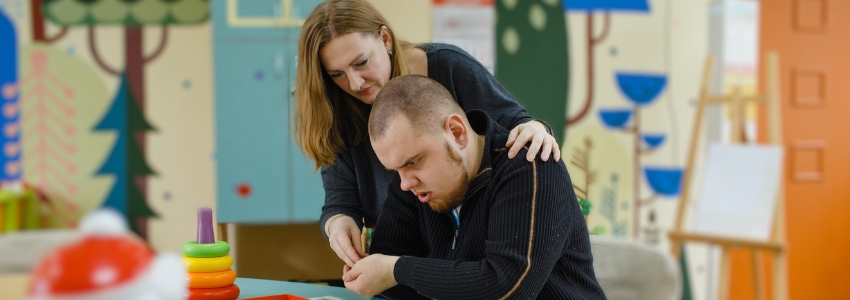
(531, 57)
(126, 162)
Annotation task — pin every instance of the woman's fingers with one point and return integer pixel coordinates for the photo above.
(546, 149)
(339, 249)
(557, 150)
(522, 139)
(512, 138)
(542, 142)
(358, 243)
(534, 148)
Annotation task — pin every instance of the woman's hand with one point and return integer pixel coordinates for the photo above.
(541, 141)
(372, 275)
(344, 237)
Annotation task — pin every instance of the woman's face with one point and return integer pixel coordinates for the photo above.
(358, 63)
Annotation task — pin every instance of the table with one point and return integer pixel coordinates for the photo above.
(258, 287)
(14, 287)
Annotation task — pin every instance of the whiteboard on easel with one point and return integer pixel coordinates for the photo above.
(739, 191)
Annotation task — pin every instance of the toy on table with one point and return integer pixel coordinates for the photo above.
(208, 262)
(107, 262)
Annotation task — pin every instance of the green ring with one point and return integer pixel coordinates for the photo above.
(193, 249)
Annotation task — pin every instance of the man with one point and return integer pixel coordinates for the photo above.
(461, 219)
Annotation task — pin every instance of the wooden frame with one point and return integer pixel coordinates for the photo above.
(777, 243)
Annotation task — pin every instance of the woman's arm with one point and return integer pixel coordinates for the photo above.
(342, 213)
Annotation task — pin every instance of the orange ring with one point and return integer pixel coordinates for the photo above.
(210, 280)
(229, 292)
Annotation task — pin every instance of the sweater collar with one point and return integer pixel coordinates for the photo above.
(494, 135)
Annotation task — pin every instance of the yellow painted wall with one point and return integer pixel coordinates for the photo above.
(410, 19)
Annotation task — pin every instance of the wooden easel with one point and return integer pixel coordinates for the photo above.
(777, 242)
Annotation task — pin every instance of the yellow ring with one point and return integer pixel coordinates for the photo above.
(211, 279)
(192, 249)
(212, 264)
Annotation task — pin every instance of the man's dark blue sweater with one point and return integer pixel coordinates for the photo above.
(521, 233)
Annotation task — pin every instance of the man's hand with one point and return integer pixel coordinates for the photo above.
(371, 275)
(344, 237)
(541, 141)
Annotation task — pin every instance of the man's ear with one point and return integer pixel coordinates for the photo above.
(455, 127)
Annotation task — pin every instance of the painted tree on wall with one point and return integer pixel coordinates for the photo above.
(531, 57)
(133, 15)
(39, 33)
(47, 125)
(126, 161)
(605, 7)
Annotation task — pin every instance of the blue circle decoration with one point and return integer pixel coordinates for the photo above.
(641, 88)
(653, 140)
(615, 118)
(664, 181)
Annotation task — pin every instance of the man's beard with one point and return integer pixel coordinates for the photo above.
(456, 196)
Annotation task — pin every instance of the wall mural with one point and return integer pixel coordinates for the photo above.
(81, 148)
(60, 152)
(635, 74)
(41, 178)
(617, 102)
(613, 112)
(50, 104)
(531, 57)
(592, 39)
(642, 89)
(10, 139)
(129, 190)
(126, 161)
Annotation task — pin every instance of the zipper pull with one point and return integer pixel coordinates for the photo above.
(457, 226)
(454, 240)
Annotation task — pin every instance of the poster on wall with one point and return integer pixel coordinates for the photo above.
(468, 24)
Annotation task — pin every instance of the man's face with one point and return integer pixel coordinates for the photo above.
(430, 165)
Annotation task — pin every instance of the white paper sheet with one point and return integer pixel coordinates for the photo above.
(738, 195)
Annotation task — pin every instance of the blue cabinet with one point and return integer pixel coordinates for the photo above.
(262, 176)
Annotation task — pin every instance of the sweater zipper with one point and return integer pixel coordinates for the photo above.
(457, 227)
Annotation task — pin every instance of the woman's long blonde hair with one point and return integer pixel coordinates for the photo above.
(326, 117)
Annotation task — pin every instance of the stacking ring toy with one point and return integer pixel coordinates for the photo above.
(211, 264)
(229, 292)
(211, 279)
(193, 249)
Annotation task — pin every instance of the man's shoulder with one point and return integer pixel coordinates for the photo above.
(502, 165)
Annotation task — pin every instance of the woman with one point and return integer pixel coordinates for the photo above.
(346, 52)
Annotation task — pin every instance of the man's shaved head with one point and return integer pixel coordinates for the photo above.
(424, 102)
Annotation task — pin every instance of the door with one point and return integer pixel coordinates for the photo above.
(262, 175)
(252, 126)
(812, 38)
